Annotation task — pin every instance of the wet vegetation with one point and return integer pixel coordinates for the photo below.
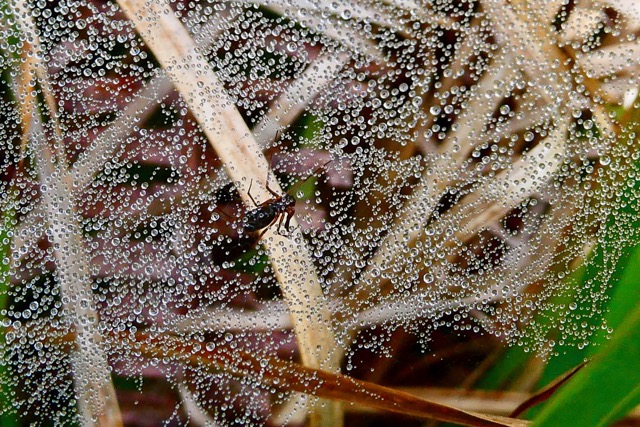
(319, 213)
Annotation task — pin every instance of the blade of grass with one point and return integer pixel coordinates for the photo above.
(288, 106)
(613, 266)
(623, 233)
(546, 392)
(96, 399)
(95, 394)
(606, 389)
(625, 296)
(483, 401)
(7, 223)
(198, 84)
(289, 376)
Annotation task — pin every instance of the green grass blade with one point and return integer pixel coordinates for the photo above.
(7, 219)
(604, 390)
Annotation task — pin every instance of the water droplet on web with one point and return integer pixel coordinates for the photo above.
(468, 179)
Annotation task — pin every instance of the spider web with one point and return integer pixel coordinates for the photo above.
(452, 172)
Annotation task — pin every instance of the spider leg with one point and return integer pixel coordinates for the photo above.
(282, 216)
(288, 214)
(250, 196)
(273, 193)
(266, 184)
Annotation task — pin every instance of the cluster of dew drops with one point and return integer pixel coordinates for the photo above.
(419, 161)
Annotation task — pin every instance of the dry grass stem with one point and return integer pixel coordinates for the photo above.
(488, 402)
(611, 59)
(105, 145)
(101, 149)
(197, 415)
(428, 192)
(97, 402)
(297, 96)
(293, 411)
(227, 132)
(501, 194)
(94, 391)
(629, 8)
(340, 31)
(486, 97)
(534, 41)
(511, 187)
(273, 316)
(34, 67)
(581, 25)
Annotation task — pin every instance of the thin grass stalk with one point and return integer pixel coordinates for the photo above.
(7, 384)
(35, 67)
(137, 111)
(437, 177)
(488, 402)
(95, 394)
(532, 38)
(271, 316)
(394, 234)
(341, 31)
(513, 187)
(424, 193)
(227, 132)
(197, 415)
(297, 96)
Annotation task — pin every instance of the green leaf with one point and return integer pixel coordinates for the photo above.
(604, 390)
(614, 265)
(7, 219)
(618, 253)
(626, 295)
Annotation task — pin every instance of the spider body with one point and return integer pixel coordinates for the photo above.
(278, 208)
(267, 213)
